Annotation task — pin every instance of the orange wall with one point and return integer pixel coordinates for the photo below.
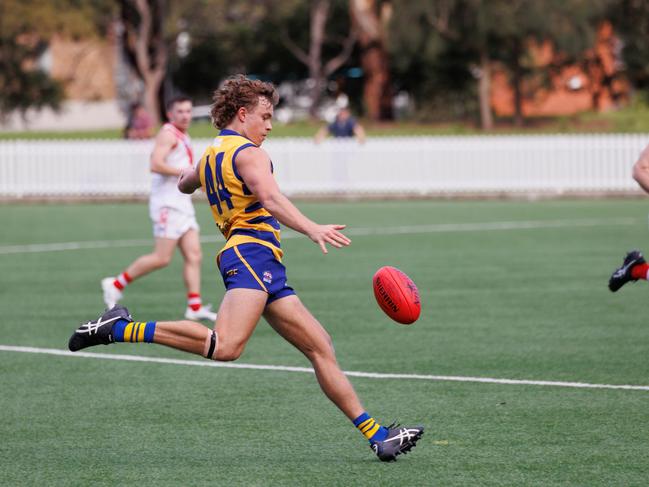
(85, 67)
(558, 98)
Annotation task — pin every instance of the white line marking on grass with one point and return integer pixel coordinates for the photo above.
(61, 246)
(283, 368)
(489, 226)
(353, 232)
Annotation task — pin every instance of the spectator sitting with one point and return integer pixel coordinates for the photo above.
(344, 125)
(140, 124)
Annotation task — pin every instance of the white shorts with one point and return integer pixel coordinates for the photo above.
(171, 223)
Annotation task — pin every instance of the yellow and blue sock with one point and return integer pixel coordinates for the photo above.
(133, 331)
(372, 430)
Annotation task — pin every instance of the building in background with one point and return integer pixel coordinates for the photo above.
(598, 83)
(88, 70)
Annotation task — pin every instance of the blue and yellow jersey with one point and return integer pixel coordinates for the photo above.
(236, 211)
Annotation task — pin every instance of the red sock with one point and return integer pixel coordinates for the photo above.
(194, 301)
(640, 271)
(122, 280)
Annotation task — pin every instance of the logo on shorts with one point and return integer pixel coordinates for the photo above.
(232, 272)
(268, 277)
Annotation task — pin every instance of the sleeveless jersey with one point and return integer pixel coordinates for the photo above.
(164, 189)
(236, 211)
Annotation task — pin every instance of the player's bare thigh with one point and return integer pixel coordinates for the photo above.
(190, 245)
(164, 247)
(236, 319)
(163, 251)
(293, 321)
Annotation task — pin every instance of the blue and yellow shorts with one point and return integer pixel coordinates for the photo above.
(254, 266)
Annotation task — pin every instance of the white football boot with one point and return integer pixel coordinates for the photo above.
(203, 313)
(112, 295)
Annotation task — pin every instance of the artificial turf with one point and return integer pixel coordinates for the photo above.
(514, 303)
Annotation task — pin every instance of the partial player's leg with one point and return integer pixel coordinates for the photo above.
(237, 318)
(190, 247)
(633, 268)
(290, 318)
(160, 257)
(163, 252)
(117, 325)
(239, 313)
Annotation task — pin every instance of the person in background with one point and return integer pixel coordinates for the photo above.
(172, 214)
(344, 125)
(140, 123)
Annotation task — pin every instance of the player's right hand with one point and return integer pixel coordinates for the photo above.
(329, 234)
(189, 180)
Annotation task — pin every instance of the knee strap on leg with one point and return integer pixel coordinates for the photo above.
(211, 345)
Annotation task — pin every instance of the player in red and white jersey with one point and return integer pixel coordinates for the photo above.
(172, 214)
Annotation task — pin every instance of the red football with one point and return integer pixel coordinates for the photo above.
(397, 295)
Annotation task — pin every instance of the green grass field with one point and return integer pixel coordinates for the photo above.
(522, 300)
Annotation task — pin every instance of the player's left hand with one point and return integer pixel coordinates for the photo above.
(329, 234)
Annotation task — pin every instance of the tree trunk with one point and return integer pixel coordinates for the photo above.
(517, 82)
(318, 71)
(319, 13)
(370, 31)
(152, 84)
(484, 92)
(145, 47)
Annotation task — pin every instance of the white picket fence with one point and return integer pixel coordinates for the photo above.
(507, 165)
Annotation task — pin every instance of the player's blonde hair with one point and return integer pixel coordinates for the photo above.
(236, 92)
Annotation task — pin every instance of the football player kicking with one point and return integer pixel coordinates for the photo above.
(634, 266)
(247, 205)
(172, 214)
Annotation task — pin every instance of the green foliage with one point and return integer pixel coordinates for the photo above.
(200, 72)
(21, 88)
(631, 20)
(240, 38)
(247, 37)
(437, 46)
(25, 28)
(44, 18)
(429, 64)
(574, 24)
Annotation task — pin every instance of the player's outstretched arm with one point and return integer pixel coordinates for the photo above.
(253, 165)
(641, 170)
(189, 180)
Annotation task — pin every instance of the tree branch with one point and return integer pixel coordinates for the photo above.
(440, 21)
(294, 48)
(336, 62)
(143, 36)
(362, 14)
(319, 13)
